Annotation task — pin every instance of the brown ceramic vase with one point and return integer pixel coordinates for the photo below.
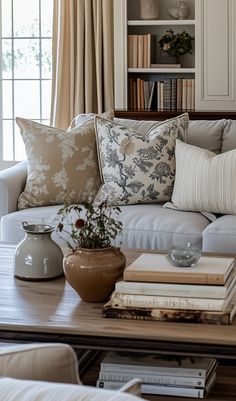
(93, 272)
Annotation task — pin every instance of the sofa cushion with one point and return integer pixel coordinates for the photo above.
(25, 390)
(144, 226)
(220, 236)
(137, 167)
(204, 181)
(229, 136)
(62, 165)
(50, 362)
(203, 133)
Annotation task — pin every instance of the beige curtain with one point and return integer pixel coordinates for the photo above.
(82, 78)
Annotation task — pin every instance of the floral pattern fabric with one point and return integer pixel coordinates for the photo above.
(62, 165)
(137, 167)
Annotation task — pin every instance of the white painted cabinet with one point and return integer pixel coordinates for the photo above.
(213, 63)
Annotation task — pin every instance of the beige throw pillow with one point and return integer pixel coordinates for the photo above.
(204, 181)
(137, 167)
(62, 165)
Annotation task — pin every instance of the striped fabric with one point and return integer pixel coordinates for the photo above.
(204, 181)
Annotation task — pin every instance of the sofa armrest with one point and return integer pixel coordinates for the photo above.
(12, 183)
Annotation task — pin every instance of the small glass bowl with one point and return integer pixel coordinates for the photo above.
(184, 256)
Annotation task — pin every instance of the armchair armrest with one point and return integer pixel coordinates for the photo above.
(12, 183)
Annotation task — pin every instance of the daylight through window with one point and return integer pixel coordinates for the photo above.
(26, 68)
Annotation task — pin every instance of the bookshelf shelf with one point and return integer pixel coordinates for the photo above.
(160, 22)
(162, 70)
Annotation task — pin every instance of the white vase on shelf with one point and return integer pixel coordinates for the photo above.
(181, 10)
(149, 9)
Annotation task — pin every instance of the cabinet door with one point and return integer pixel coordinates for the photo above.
(215, 54)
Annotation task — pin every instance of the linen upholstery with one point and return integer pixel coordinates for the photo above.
(137, 167)
(62, 165)
(147, 226)
(203, 133)
(25, 390)
(50, 362)
(204, 181)
(229, 136)
(220, 235)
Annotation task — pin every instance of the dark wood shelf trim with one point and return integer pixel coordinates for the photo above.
(163, 115)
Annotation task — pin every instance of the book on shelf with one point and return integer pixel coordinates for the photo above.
(178, 290)
(168, 302)
(151, 94)
(171, 315)
(155, 364)
(159, 65)
(134, 47)
(179, 94)
(140, 51)
(180, 391)
(173, 94)
(184, 94)
(130, 51)
(153, 267)
(165, 380)
(167, 94)
(193, 95)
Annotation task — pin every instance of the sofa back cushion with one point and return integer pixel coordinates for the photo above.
(229, 136)
(203, 133)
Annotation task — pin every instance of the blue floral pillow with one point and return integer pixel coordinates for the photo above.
(137, 167)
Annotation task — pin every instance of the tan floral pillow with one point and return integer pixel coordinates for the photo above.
(62, 165)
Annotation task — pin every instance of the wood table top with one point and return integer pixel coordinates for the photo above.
(53, 307)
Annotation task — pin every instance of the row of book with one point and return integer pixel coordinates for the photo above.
(168, 94)
(153, 289)
(139, 51)
(178, 376)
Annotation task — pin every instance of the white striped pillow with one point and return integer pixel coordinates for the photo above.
(204, 181)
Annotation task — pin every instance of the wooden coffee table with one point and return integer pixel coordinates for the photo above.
(52, 311)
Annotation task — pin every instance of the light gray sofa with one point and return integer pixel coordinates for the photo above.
(145, 226)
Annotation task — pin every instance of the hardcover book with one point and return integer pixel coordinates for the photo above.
(159, 65)
(164, 380)
(171, 315)
(157, 301)
(153, 267)
(178, 290)
(180, 391)
(156, 364)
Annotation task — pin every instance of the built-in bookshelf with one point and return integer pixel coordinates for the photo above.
(212, 63)
(152, 84)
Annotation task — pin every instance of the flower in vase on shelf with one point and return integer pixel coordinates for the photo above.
(176, 44)
(94, 265)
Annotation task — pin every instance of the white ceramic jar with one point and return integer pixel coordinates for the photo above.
(149, 9)
(37, 256)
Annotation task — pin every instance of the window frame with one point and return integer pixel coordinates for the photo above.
(8, 163)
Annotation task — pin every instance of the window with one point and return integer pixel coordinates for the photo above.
(26, 69)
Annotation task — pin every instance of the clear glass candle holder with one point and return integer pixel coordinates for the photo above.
(184, 256)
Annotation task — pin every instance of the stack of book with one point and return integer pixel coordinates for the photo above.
(182, 376)
(153, 289)
(139, 51)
